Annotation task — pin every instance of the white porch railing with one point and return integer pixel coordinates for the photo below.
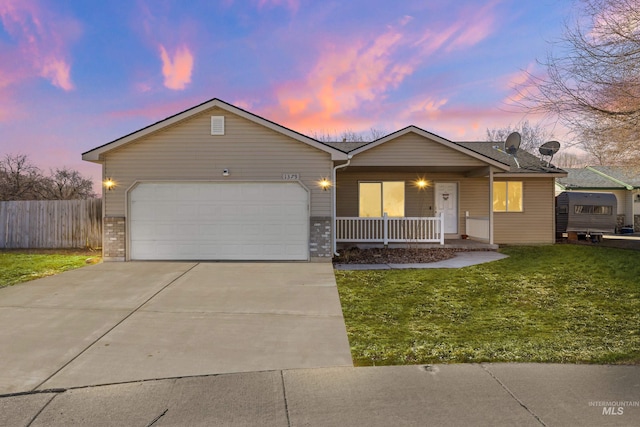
(390, 230)
(477, 226)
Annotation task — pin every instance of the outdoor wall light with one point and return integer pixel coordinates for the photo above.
(324, 183)
(421, 183)
(109, 184)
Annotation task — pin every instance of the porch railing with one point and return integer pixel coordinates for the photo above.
(390, 230)
(477, 227)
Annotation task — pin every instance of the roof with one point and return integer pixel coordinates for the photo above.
(95, 154)
(528, 163)
(628, 176)
(601, 177)
(346, 146)
(523, 162)
(358, 148)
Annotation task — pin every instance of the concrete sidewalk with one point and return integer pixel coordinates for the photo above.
(442, 395)
(462, 259)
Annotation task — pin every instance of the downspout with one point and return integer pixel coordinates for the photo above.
(490, 205)
(334, 244)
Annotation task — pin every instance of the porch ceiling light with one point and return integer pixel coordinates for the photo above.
(324, 183)
(109, 184)
(421, 183)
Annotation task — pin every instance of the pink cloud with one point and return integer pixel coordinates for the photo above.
(177, 70)
(355, 75)
(42, 38)
(520, 85)
(345, 77)
(58, 72)
(420, 109)
(469, 29)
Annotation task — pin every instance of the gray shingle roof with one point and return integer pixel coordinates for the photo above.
(628, 175)
(527, 161)
(589, 178)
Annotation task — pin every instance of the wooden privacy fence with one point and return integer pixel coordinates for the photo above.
(51, 224)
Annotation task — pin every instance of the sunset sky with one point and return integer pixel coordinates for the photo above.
(76, 74)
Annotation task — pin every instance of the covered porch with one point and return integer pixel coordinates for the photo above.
(403, 207)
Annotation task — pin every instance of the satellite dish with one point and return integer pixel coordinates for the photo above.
(512, 143)
(549, 149)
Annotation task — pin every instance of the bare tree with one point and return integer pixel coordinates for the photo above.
(533, 136)
(565, 159)
(349, 135)
(20, 179)
(65, 184)
(592, 82)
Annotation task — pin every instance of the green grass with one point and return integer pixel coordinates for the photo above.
(17, 267)
(561, 303)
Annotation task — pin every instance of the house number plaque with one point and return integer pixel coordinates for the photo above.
(291, 176)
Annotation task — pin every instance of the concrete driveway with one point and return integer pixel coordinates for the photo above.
(116, 322)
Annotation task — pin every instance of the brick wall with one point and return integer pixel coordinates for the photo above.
(114, 242)
(320, 239)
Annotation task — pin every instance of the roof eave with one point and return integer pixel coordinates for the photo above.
(533, 174)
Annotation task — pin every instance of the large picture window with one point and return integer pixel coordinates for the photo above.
(507, 196)
(377, 198)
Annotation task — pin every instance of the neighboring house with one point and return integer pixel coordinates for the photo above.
(217, 182)
(624, 182)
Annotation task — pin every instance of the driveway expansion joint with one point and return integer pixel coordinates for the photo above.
(112, 328)
(35, 417)
(512, 394)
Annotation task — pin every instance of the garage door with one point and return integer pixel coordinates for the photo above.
(219, 221)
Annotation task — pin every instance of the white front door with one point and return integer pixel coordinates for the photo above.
(446, 195)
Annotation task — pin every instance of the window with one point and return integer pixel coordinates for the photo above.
(593, 210)
(507, 196)
(379, 197)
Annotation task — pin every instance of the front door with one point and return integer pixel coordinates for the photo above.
(446, 195)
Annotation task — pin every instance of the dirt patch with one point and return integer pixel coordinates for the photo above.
(395, 256)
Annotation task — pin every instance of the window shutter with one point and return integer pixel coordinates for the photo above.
(217, 125)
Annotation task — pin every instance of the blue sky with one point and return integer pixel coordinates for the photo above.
(76, 74)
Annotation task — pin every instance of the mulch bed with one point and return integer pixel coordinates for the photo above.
(395, 256)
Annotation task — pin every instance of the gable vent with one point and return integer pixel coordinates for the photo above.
(217, 125)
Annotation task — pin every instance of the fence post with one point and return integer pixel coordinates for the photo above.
(442, 228)
(385, 228)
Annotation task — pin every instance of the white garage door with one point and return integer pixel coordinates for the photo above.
(219, 221)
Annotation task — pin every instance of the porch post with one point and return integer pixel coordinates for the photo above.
(385, 228)
(490, 206)
(442, 228)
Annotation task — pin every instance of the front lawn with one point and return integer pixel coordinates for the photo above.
(561, 303)
(21, 266)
